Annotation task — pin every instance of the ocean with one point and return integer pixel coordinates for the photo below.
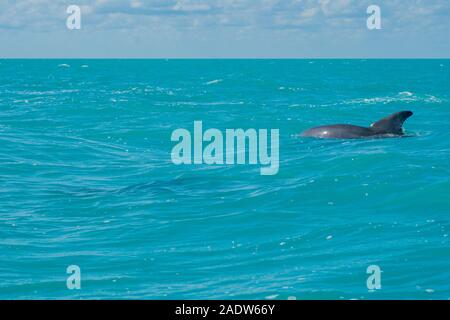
(87, 180)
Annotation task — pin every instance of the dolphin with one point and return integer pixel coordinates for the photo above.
(390, 126)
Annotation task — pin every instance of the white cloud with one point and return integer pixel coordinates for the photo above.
(187, 5)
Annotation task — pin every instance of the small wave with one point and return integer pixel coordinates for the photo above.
(214, 81)
(84, 66)
(417, 134)
(405, 97)
(64, 65)
(43, 93)
(294, 89)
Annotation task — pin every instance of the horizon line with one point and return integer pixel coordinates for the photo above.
(224, 58)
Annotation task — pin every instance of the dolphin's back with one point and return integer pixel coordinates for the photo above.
(339, 131)
(386, 127)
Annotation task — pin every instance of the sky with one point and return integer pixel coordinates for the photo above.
(225, 29)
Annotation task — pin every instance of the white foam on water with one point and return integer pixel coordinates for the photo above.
(214, 81)
(405, 97)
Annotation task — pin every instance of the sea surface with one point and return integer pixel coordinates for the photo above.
(86, 179)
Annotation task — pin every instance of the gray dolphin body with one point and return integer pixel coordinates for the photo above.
(390, 126)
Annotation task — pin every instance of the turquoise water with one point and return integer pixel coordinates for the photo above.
(87, 179)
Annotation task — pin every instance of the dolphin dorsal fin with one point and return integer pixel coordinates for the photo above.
(393, 123)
